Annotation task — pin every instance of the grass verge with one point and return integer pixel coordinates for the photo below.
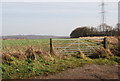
(20, 69)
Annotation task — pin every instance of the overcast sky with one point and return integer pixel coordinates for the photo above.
(53, 18)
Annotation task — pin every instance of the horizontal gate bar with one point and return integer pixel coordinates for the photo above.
(80, 39)
(79, 43)
(76, 51)
(77, 47)
(64, 39)
(65, 47)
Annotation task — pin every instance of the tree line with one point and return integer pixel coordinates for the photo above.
(101, 30)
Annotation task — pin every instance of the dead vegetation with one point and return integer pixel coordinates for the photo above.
(112, 49)
(115, 51)
(38, 61)
(31, 53)
(102, 53)
(112, 40)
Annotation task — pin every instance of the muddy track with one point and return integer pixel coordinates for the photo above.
(86, 72)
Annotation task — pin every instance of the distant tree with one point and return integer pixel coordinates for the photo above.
(80, 32)
(105, 30)
(118, 29)
(92, 31)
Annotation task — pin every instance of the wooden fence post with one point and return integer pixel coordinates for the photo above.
(118, 43)
(118, 36)
(105, 43)
(51, 46)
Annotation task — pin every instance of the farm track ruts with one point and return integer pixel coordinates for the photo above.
(87, 72)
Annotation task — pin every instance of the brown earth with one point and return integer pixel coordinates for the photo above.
(87, 72)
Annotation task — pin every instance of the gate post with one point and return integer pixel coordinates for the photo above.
(105, 43)
(51, 46)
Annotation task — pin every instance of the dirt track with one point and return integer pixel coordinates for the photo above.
(87, 72)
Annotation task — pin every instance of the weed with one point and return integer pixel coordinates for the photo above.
(26, 58)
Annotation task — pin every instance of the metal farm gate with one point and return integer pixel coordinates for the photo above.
(73, 46)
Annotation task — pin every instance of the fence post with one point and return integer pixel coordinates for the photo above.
(51, 47)
(105, 43)
(118, 43)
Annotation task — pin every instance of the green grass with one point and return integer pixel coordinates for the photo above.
(15, 45)
(43, 44)
(116, 59)
(19, 69)
(29, 68)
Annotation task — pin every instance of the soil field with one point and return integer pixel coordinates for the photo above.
(87, 72)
